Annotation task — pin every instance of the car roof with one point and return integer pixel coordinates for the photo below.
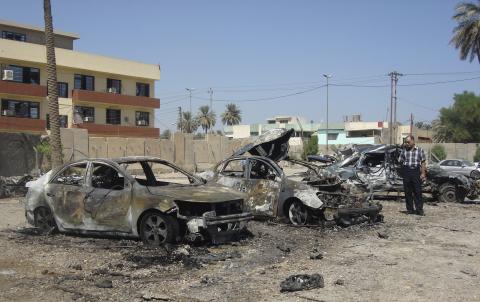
(120, 160)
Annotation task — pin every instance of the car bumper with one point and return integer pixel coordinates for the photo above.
(220, 229)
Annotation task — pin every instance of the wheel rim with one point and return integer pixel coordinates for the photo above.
(450, 196)
(44, 219)
(155, 230)
(298, 214)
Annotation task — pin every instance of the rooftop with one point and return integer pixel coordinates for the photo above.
(39, 29)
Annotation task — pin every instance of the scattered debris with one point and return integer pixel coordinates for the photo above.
(316, 254)
(14, 186)
(383, 235)
(284, 248)
(155, 296)
(104, 283)
(469, 272)
(302, 282)
(339, 282)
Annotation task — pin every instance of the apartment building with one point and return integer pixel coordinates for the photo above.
(105, 95)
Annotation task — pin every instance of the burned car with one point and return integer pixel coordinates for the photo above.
(316, 197)
(377, 167)
(141, 197)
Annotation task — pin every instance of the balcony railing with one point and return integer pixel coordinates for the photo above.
(22, 124)
(23, 89)
(114, 98)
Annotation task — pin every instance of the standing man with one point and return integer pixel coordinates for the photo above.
(414, 171)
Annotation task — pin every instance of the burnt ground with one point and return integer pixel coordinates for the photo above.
(407, 258)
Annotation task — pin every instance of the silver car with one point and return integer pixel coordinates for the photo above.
(460, 166)
(140, 197)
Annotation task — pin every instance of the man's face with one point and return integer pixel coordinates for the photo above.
(409, 143)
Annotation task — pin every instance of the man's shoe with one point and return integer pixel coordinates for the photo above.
(411, 212)
(420, 213)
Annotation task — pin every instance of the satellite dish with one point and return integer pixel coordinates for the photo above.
(77, 118)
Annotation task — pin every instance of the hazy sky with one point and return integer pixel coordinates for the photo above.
(250, 50)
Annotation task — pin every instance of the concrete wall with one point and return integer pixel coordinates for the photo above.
(460, 151)
(17, 154)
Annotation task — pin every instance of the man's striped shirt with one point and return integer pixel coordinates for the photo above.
(412, 158)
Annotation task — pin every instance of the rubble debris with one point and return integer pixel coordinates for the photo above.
(382, 235)
(104, 283)
(302, 282)
(155, 296)
(14, 186)
(339, 282)
(284, 248)
(316, 255)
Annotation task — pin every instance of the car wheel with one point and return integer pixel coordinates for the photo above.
(157, 229)
(298, 213)
(475, 174)
(43, 220)
(448, 193)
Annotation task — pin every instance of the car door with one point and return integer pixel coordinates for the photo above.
(263, 185)
(109, 198)
(457, 167)
(446, 165)
(66, 195)
(232, 174)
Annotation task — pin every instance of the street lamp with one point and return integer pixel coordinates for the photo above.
(190, 92)
(327, 76)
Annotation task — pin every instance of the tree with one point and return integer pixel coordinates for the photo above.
(166, 134)
(232, 115)
(439, 152)
(459, 122)
(187, 124)
(476, 157)
(310, 147)
(466, 35)
(206, 118)
(53, 111)
(423, 125)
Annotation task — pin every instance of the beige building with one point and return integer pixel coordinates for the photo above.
(105, 95)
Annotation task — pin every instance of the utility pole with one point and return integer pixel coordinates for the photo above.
(411, 123)
(180, 118)
(190, 93)
(327, 76)
(393, 106)
(210, 91)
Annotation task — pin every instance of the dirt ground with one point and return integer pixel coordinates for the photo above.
(406, 258)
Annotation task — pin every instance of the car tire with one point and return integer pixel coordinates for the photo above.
(157, 229)
(43, 220)
(475, 174)
(448, 193)
(298, 213)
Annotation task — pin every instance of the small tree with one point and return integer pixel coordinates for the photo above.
(166, 134)
(476, 157)
(310, 147)
(439, 152)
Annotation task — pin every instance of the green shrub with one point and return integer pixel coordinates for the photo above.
(439, 152)
(476, 157)
(310, 147)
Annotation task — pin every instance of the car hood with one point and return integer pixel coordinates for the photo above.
(208, 193)
(272, 144)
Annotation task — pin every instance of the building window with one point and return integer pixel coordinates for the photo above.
(332, 136)
(27, 75)
(21, 109)
(14, 36)
(114, 116)
(84, 82)
(114, 86)
(142, 118)
(63, 121)
(87, 114)
(62, 89)
(143, 89)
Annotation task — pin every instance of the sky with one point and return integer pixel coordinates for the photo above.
(269, 56)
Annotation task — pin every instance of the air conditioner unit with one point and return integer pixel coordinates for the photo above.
(88, 118)
(112, 90)
(7, 75)
(7, 112)
(141, 123)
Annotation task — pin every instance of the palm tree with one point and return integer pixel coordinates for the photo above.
(187, 124)
(231, 116)
(55, 142)
(206, 118)
(442, 133)
(466, 35)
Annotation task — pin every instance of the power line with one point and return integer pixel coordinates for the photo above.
(439, 82)
(441, 73)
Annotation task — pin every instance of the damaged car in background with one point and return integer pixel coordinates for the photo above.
(316, 197)
(140, 197)
(376, 167)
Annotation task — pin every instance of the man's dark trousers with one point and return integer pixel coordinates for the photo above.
(412, 186)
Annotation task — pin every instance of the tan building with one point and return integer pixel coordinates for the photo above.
(106, 96)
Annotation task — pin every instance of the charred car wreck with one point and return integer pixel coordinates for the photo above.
(377, 168)
(142, 197)
(316, 197)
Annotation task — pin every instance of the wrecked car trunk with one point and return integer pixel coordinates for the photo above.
(140, 197)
